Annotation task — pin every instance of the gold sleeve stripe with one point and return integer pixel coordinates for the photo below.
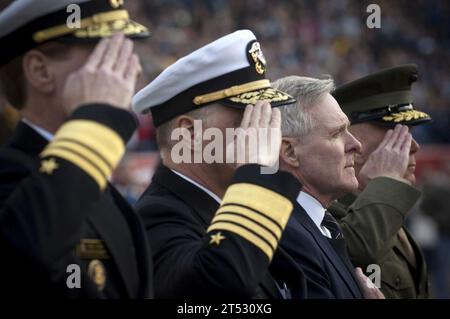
(236, 207)
(95, 136)
(80, 162)
(249, 224)
(83, 153)
(260, 199)
(253, 216)
(247, 235)
(70, 140)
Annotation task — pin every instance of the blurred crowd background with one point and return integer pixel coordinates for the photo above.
(316, 38)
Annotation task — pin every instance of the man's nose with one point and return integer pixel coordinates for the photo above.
(353, 145)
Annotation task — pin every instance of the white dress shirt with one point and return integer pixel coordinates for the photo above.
(45, 134)
(207, 191)
(315, 211)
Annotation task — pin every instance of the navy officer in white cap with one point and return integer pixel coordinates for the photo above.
(214, 227)
(64, 230)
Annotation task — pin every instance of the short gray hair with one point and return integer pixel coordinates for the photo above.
(164, 131)
(295, 118)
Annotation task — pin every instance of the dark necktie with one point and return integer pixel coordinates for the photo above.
(332, 225)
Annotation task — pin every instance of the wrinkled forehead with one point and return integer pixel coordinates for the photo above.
(328, 115)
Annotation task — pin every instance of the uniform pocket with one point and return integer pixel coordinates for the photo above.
(396, 280)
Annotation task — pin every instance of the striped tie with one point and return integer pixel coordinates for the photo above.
(332, 225)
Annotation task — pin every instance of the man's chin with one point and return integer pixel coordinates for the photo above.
(411, 178)
(351, 186)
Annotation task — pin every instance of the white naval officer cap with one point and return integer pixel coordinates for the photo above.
(230, 71)
(25, 24)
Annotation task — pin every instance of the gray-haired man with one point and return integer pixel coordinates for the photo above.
(319, 151)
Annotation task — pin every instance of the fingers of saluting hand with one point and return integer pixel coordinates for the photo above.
(275, 122)
(125, 54)
(395, 134)
(386, 140)
(114, 49)
(247, 116)
(402, 135)
(97, 55)
(133, 70)
(256, 115)
(266, 114)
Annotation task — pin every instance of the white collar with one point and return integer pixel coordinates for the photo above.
(44, 133)
(207, 191)
(315, 211)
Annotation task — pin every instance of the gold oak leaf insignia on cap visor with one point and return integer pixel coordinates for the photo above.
(258, 58)
(260, 95)
(216, 239)
(48, 166)
(405, 116)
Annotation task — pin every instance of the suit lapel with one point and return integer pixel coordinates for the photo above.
(334, 258)
(341, 248)
(269, 287)
(119, 246)
(142, 247)
(286, 269)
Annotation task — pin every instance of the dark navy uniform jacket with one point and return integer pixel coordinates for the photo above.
(205, 250)
(52, 219)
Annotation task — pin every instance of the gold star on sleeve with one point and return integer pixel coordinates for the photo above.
(48, 166)
(216, 239)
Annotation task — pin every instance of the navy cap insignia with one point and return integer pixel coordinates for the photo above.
(229, 71)
(257, 57)
(97, 273)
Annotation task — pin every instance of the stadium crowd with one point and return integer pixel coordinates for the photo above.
(315, 38)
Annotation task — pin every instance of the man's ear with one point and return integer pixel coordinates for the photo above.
(288, 156)
(186, 124)
(38, 72)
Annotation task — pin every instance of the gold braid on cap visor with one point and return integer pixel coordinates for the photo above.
(232, 91)
(61, 30)
(405, 116)
(268, 94)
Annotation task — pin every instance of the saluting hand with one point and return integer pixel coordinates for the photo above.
(259, 136)
(390, 159)
(108, 77)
